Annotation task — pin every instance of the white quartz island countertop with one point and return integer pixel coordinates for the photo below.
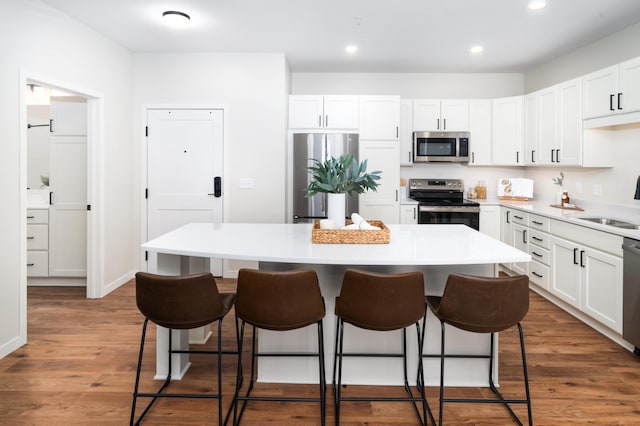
(409, 245)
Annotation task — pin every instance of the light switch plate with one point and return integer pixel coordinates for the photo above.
(246, 183)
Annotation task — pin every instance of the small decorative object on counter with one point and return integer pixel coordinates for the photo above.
(471, 193)
(481, 190)
(565, 198)
(558, 181)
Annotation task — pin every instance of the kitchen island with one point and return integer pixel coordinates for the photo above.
(436, 250)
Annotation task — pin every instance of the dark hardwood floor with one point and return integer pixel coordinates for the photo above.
(78, 369)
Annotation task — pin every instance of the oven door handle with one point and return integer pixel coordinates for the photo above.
(449, 209)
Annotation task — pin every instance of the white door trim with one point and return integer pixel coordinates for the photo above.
(143, 159)
(95, 233)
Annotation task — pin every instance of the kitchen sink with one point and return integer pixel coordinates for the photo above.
(611, 222)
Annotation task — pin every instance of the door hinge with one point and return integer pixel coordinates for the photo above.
(146, 256)
(88, 207)
(146, 131)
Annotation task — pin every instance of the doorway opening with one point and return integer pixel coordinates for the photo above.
(66, 218)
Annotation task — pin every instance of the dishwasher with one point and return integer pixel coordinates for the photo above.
(631, 293)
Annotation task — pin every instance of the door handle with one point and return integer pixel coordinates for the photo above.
(619, 96)
(533, 152)
(51, 129)
(552, 160)
(473, 157)
(582, 258)
(611, 102)
(444, 124)
(557, 155)
(438, 124)
(50, 198)
(524, 236)
(217, 187)
(575, 254)
(30, 238)
(508, 216)
(536, 274)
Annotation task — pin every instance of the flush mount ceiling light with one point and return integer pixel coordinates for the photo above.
(537, 4)
(176, 19)
(476, 50)
(352, 48)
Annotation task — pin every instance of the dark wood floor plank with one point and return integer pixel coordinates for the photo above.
(78, 368)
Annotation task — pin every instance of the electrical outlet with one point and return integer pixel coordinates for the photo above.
(579, 187)
(246, 183)
(597, 189)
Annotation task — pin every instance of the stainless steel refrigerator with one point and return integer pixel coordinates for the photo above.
(320, 146)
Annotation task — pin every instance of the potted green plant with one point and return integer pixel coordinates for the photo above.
(337, 177)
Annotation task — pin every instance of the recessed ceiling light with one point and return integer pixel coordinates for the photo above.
(537, 4)
(476, 50)
(352, 48)
(176, 19)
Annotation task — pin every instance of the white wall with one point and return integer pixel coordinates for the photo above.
(35, 38)
(409, 85)
(37, 145)
(617, 47)
(254, 89)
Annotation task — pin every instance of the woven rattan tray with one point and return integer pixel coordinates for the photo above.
(350, 236)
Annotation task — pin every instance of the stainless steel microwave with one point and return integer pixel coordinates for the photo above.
(440, 146)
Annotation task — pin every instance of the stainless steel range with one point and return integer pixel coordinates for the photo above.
(442, 201)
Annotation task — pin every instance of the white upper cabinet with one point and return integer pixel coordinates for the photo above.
(380, 117)
(547, 126)
(531, 140)
(406, 132)
(630, 85)
(612, 90)
(553, 125)
(507, 131)
(570, 123)
(323, 112)
(480, 130)
(441, 115)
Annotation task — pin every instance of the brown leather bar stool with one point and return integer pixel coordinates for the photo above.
(380, 302)
(180, 303)
(483, 305)
(279, 301)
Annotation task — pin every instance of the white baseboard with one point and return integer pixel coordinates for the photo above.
(57, 282)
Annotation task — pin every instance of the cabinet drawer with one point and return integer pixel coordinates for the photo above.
(539, 254)
(520, 217)
(37, 216)
(539, 238)
(601, 240)
(540, 223)
(37, 237)
(539, 274)
(37, 263)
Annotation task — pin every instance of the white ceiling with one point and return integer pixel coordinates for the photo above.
(392, 35)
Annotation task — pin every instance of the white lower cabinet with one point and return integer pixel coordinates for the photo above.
(566, 264)
(588, 279)
(409, 214)
(490, 221)
(37, 243)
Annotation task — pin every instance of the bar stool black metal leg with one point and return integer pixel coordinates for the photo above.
(321, 369)
(441, 405)
(526, 374)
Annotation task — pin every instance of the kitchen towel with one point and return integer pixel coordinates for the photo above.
(637, 196)
(360, 223)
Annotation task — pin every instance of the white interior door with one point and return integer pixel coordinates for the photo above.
(184, 161)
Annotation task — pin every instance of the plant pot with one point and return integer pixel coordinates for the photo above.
(336, 208)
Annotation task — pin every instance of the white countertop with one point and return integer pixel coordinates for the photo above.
(291, 243)
(544, 208)
(38, 198)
